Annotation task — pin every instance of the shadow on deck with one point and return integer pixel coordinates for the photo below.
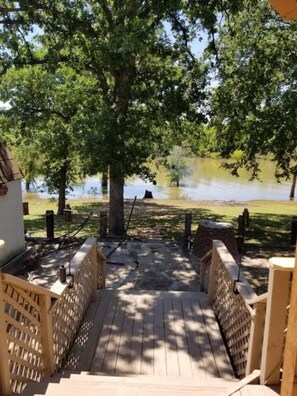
(152, 333)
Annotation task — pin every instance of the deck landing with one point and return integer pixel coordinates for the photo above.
(151, 333)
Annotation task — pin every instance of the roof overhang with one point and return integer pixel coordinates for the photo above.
(9, 170)
(286, 8)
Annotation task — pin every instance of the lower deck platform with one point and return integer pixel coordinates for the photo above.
(151, 333)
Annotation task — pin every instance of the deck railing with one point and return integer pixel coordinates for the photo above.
(240, 312)
(38, 326)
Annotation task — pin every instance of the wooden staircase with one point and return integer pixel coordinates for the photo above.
(85, 383)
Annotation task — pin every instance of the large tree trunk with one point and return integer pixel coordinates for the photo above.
(116, 205)
(62, 190)
(293, 187)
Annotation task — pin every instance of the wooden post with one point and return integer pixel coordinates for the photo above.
(25, 208)
(240, 243)
(288, 387)
(246, 217)
(49, 217)
(241, 228)
(256, 338)
(47, 335)
(213, 273)
(4, 363)
(103, 224)
(275, 320)
(102, 264)
(187, 233)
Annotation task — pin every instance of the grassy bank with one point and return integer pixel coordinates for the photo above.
(270, 220)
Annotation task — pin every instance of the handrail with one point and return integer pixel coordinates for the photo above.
(36, 333)
(259, 299)
(205, 262)
(25, 285)
(236, 306)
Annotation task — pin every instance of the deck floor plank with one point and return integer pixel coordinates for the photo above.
(111, 352)
(183, 343)
(147, 361)
(159, 339)
(137, 338)
(204, 341)
(172, 363)
(104, 336)
(123, 357)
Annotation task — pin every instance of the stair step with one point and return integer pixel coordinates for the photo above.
(82, 388)
(151, 379)
(86, 383)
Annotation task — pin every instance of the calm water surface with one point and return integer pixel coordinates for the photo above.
(207, 182)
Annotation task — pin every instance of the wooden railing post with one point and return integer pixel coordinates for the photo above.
(213, 273)
(256, 338)
(47, 335)
(289, 385)
(102, 264)
(4, 364)
(275, 320)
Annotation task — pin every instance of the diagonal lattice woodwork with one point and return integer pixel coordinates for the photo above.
(23, 327)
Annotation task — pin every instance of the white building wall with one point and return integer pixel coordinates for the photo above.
(11, 221)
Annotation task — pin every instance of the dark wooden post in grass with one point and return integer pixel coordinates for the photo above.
(246, 217)
(50, 227)
(103, 224)
(294, 231)
(187, 234)
(241, 228)
(25, 208)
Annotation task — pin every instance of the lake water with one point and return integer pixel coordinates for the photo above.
(208, 181)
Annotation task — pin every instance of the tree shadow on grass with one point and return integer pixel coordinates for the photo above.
(270, 229)
(165, 220)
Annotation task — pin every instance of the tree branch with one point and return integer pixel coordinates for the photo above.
(107, 13)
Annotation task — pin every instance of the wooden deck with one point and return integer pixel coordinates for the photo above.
(151, 333)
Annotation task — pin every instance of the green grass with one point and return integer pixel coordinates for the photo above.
(270, 220)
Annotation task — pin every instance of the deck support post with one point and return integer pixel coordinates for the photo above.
(289, 386)
(213, 274)
(256, 338)
(47, 335)
(275, 322)
(4, 363)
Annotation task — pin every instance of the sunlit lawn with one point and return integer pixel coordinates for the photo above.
(270, 220)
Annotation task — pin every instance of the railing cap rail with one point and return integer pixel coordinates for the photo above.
(58, 287)
(25, 285)
(241, 284)
(282, 263)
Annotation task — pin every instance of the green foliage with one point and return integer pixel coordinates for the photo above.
(176, 165)
(143, 77)
(45, 122)
(254, 106)
(237, 155)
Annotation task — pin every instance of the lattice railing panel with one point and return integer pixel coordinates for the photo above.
(234, 318)
(69, 310)
(23, 328)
